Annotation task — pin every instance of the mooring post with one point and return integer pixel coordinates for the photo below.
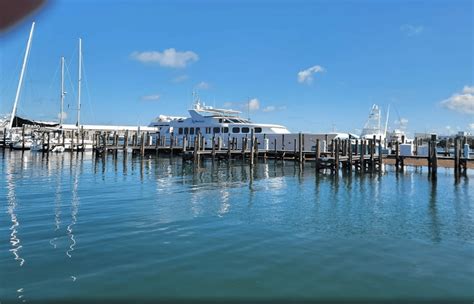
(318, 154)
(283, 143)
(228, 147)
(213, 151)
(294, 149)
(372, 152)
(350, 155)
(23, 137)
(356, 152)
(434, 157)
(48, 143)
(72, 140)
(446, 147)
(5, 137)
(336, 155)
(380, 154)
(197, 139)
(43, 145)
(416, 146)
(397, 156)
(362, 155)
(300, 147)
(456, 157)
(82, 138)
(332, 147)
(125, 141)
(252, 145)
(142, 144)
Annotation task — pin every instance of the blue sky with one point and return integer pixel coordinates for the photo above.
(310, 65)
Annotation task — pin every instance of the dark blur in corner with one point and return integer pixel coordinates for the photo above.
(13, 12)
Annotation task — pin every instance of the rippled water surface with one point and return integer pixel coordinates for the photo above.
(76, 227)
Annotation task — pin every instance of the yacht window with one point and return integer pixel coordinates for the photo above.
(235, 130)
(258, 130)
(220, 120)
(208, 130)
(217, 130)
(191, 131)
(225, 130)
(186, 131)
(245, 130)
(180, 131)
(198, 130)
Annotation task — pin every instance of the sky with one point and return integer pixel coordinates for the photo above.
(313, 66)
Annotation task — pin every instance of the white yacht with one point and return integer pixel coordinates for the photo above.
(212, 122)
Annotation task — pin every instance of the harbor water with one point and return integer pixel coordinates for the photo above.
(121, 228)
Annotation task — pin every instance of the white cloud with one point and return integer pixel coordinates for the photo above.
(468, 90)
(471, 126)
(155, 97)
(306, 76)
(203, 85)
(168, 58)
(269, 109)
(273, 108)
(412, 30)
(180, 78)
(461, 102)
(63, 114)
(228, 104)
(253, 104)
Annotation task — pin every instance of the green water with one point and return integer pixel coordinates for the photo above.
(73, 227)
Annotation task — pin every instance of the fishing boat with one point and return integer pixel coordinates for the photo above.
(373, 125)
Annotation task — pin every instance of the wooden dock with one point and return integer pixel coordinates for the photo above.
(364, 156)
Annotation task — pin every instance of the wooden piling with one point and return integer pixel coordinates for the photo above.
(397, 156)
(300, 147)
(349, 165)
(457, 157)
(380, 154)
(142, 144)
(372, 152)
(434, 157)
(336, 155)
(318, 154)
(47, 147)
(213, 151)
(362, 155)
(252, 145)
(23, 137)
(125, 141)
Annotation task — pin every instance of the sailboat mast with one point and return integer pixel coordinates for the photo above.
(79, 85)
(61, 113)
(20, 82)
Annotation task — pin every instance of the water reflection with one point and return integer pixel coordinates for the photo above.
(74, 206)
(12, 205)
(433, 212)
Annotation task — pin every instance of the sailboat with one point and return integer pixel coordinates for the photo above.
(18, 141)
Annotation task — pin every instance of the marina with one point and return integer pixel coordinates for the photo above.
(237, 152)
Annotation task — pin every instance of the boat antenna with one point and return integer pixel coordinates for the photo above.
(20, 81)
(79, 85)
(248, 107)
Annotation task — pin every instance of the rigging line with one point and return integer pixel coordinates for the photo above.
(12, 77)
(87, 89)
(70, 81)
